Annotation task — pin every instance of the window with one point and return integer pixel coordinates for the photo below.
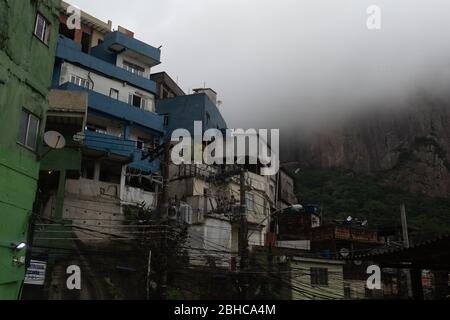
(80, 81)
(137, 101)
(347, 291)
(28, 130)
(42, 29)
(144, 144)
(113, 93)
(250, 201)
(133, 68)
(319, 277)
(166, 120)
(88, 169)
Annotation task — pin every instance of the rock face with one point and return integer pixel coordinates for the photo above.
(407, 148)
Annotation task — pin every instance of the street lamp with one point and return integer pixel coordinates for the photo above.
(19, 246)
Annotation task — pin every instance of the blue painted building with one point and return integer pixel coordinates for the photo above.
(181, 112)
(122, 125)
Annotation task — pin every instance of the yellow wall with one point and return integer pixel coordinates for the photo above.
(301, 280)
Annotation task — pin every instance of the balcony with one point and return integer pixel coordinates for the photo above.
(120, 150)
(121, 43)
(110, 144)
(71, 51)
(144, 165)
(120, 110)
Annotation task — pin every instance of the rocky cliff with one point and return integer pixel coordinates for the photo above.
(405, 146)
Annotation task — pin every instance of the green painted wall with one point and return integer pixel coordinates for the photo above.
(301, 280)
(26, 66)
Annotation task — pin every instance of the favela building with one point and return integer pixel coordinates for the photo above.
(28, 36)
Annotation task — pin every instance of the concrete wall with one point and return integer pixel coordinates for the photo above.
(213, 236)
(93, 205)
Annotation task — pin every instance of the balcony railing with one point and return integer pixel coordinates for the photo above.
(120, 42)
(109, 143)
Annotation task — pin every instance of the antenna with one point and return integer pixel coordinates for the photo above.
(344, 252)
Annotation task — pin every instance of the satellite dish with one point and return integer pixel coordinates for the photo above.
(349, 219)
(344, 252)
(358, 263)
(365, 223)
(54, 140)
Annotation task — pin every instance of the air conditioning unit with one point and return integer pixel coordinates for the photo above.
(185, 213)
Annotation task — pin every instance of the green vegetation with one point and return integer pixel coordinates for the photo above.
(343, 193)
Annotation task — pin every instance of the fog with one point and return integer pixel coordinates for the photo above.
(293, 63)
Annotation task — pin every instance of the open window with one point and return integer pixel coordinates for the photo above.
(28, 130)
(137, 101)
(113, 93)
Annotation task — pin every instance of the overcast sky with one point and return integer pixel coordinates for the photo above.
(285, 62)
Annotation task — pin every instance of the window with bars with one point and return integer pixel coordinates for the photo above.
(28, 130)
(42, 29)
(133, 68)
(80, 81)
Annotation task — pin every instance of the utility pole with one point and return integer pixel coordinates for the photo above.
(149, 269)
(406, 244)
(243, 235)
(164, 218)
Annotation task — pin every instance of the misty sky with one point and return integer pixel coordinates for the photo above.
(289, 62)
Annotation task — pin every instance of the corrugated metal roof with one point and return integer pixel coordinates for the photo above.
(381, 252)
